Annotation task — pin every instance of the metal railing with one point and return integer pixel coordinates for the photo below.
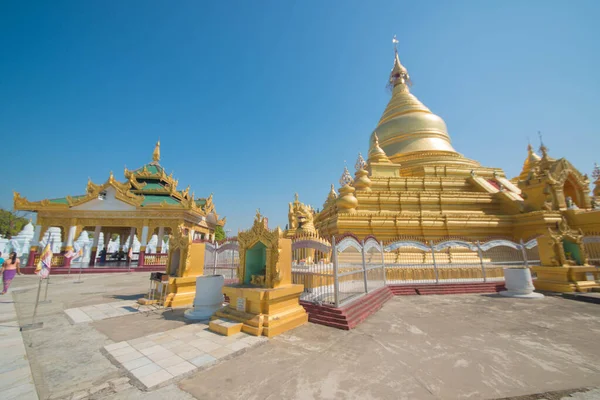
(592, 247)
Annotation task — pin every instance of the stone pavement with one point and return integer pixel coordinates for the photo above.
(102, 311)
(162, 357)
(16, 381)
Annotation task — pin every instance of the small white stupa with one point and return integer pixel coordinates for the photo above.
(55, 239)
(22, 241)
(151, 248)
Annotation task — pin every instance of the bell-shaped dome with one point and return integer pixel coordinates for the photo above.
(407, 127)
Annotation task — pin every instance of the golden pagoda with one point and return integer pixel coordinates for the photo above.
(416, 185)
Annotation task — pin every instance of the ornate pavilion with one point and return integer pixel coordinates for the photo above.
(415, 185)
(146, 202)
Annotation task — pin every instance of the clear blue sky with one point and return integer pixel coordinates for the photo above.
(257, 100)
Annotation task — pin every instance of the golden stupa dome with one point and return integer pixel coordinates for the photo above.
(407, 127)
(530, 162)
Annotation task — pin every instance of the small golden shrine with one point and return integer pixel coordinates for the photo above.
(264, 302)
(185, 263)
(564, 261)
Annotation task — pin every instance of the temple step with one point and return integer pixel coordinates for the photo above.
(225, 327)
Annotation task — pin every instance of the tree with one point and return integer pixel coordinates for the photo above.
(11, 223)
(219, 233)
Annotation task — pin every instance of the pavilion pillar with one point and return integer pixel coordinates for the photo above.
(35, 243)
(143, 244)
(94, 249)
(130, 245)
(71, 238)
(159, 244)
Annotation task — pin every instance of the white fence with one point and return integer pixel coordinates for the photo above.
(222, 259)
(355, 268)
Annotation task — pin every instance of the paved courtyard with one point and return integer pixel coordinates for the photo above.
(416, 347)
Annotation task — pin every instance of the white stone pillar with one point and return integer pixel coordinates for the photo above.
(144, 238)
(159, 245)
(35, 241)
(71, 237)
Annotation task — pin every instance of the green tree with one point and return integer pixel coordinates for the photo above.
(219, 233)
(11, 223)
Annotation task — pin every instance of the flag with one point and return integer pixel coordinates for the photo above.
(45, 263)
(130, 252)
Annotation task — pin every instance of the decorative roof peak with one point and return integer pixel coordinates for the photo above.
(156, 153)
(376, 154)
(361, 164)
(596, 172)
(346, 178)
(399, 74)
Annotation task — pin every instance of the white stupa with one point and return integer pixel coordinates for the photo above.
(83, 242)
(22, 241)
(55, 238)
(151, 248)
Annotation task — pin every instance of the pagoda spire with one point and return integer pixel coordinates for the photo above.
(399, 74)
(156, 153)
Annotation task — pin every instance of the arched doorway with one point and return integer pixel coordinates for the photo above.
(572, 189)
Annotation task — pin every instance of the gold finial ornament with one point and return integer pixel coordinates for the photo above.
(346, 178)
(156, 153)
(596, 172)
(376, 154)
(360, 163)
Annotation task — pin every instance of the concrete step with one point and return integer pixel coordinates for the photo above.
(225, 327)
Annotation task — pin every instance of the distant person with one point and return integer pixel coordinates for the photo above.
(10, 268)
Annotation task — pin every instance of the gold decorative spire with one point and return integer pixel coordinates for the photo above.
(399, 74)
(360, 163)
(409, 132)
(596, 172)
(346, 178)
(376, 154)
(156, 153)
(530, 162)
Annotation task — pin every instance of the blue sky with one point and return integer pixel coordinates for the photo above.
(256, 100)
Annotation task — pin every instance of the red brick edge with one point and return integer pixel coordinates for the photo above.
(350, 316)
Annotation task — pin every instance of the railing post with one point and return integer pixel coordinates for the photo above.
(364, 263)
(336, 283)
(524, 252)
(435, 270)
(215, 260)
(383, 263)
(480, 253)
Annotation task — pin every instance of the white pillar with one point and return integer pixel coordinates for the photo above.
(71, 237)
(159, 245)
(144, 238)
(97, 232)
(131, 235)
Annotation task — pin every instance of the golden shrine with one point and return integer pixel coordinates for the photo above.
(265, 302)
(148, 201)
(415, 185)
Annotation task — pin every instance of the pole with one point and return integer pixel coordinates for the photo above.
(33, 324)
(364, 262)
(215, 260)
(81, 266)
(480, 253)
(524, 252)
(48, 279)
(383, 263)
(336, 282)
(435, 270)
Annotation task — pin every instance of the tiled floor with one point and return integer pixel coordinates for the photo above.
(16, 381)
(158, 358)
(105, 310)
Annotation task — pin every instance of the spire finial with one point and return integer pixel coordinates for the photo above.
(296, 197)
(399, 74)
(360, 163)
(596, 172)
(156, 153)
(346, 178)
(543, 148)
